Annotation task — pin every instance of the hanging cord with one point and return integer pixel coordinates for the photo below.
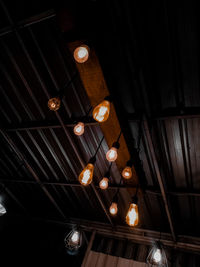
(139, 136)
(119, 136)
(98, 147)
(62, 91)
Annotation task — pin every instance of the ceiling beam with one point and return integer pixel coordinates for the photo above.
(159, 177)
(39, 125)
(29, 21)
(137, 235)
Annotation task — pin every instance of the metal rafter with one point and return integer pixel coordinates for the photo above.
(159, 177)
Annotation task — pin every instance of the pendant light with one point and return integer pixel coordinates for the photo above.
(103, 184)
(114, 205)
(79, 128)
(111, 155)
(2, 210)
(127, 171)
(73, 240)
(157, 256)
(81, 53)
(101, 112)
(54, 103)
(86, 176)
(132, 217)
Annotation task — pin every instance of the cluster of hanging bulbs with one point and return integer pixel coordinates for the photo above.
(100, 113)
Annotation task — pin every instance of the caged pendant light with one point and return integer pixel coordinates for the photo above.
(157, 256)
(73, 241)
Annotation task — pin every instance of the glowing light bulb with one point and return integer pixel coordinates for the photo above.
(75, 237)
(157, 257)
(113, 208)
(111, 155)
(79, 128)
(103, 184)
(54, 103)
(2, 210)
(102, 111)
(132, 216)
(81, 53)
(86, 176)
(127, 172)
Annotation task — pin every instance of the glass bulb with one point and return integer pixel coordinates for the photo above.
(81, 53)
(111, 155)
(127, 172)
(2, 210)
(132, 216)
(86, 176)
(54, 103)
(79, 128)
(113, 208)
(75, 237)
(103, 184)
(157, 257)
(102, 111)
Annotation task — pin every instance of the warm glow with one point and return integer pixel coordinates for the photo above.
(2, 210)
(102, 111)
(157, 257)
(75, 237)
(86, 176)
(103, 184)
(127, 172)
(54, 103)
(132, 217)
(113, 208)
(111, 155)
(81, 53)
(79, 128)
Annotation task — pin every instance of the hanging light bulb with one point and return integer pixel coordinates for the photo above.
(157, 256)
(113, 208)
(2, 210)
(81, 53)
(101, 112)
(103, 184)
(54, 103)
(127, 171)
(79, 128)
(86, 176)
(73, 241)
(132, 217)
(111, 155)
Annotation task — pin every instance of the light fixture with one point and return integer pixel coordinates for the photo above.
(127, 171)
(54, 103)
(103, 184)
(86, 176)
(81, 53)
(111, 155)
(114, 205)
(2, 210)
(73, 240)
(132, 217)
(157, 256)
(101, 112)
(79, 128)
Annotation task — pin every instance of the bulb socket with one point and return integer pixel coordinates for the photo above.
(107, 174)
(108, 98)
(116, 145)
(129, 163)
(115, 198)
(135, 199)
(92, 160)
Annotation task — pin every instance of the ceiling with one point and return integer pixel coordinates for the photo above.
(150, 60)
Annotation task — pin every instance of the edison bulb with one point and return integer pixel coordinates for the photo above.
(111, 155)
(127, 172)
(2, 210)
(81, 53)
(75, 237)
(54, 103)
(79, 128)
(157, 257)
(113, 208)
(102, 111)
(132, 216)
(86, 176)
(103, 184)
